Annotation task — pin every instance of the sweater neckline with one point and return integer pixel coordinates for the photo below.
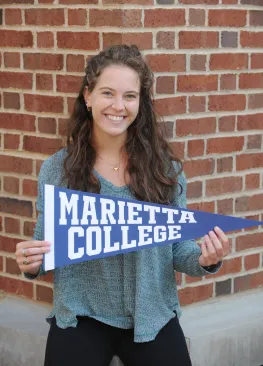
(109, 184)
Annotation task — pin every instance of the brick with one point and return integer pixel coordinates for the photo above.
(12, 226)
(251, 81)
(13, 17)
(17, 2)
(166, 62)
(255, 18)
(249, 161)
(44, 294)
(196, 126)
(165, 85)
(251, 203)
(193, 2)
(12, 38)
(170, 106)
(75, 63)
(11, 100)
(252, 181)
(44, 82)
(250, 122)
(251, 39)
(70, 104)
(197, 17)
(255, 101)
(194, 190)
(178, 278)
(11, 185)
(202, 206)
(14, 164)
(41, 144)
(46, 1)
(178, 148)
(11, 141)
(69, 83)
(21, 80)
(252, 2)
(195, 148)
(191, 39)
(218, 186)
(228, 82)
(229, 39)
(165, 40)
(252, 217)
(230, 266)
(47, 125)
(229, 102)
(254, 142)
(44, 17)
(228, 61)
(155, 18)
(12, 267)
(62, 126)
(43, 61)
(1, 16)
(198, 62)
(229, 2)
(29, 187)
(45, 39)
(252, 261)
(8, 244)
(12, 59)
(78, 2)
(224, 145)
(225, 206)
(110, 38)
(29, 228)
(38, 166)
(249, 281)
(77, 17)
(43, 103)
(16, 207)
(227, 18)
(223, 287)
(195, 168)
(191, 294)
(197, 83)
(197, 104)
(22, 122)
(1, 264)
(139, 2)
(224, 165)
(78, 40)
(17, 287)
(115, 18)
(257, 61)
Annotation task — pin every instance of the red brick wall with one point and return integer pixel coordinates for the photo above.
(208, 61)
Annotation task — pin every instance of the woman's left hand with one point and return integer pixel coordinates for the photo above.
(214, 248)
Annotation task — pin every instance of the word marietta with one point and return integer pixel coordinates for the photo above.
(136, 222)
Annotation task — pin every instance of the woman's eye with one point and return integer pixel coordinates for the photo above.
(107, 93)
(130, 96)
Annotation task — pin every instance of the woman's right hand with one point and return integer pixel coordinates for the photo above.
(29, 255)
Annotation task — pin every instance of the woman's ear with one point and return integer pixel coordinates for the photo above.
(86, 95)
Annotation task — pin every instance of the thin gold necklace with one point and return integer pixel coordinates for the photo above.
(114, 166)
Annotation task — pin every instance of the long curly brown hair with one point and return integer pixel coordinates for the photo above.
(150, 168)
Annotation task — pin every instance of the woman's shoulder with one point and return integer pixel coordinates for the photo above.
(52, 167)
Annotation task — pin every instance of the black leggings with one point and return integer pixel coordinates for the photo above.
(93, 343)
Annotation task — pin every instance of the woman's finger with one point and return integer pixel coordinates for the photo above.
(211, 250)
(223, 239)
(217, 245)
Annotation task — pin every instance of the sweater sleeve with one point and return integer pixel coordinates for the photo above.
(186, 253)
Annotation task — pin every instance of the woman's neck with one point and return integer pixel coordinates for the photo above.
(112, 147)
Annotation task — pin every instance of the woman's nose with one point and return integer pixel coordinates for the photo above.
(118, 104)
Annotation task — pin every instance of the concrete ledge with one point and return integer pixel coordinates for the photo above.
(223, 332)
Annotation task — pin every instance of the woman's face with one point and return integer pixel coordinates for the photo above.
(114, 100)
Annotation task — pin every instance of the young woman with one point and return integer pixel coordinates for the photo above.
(125, 304)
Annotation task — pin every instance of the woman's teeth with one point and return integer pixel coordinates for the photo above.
(115, 118)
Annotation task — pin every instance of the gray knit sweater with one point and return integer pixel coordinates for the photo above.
(133, 290)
